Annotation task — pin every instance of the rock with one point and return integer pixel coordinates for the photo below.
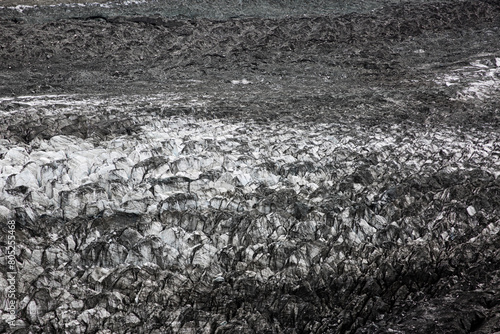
(471, 211)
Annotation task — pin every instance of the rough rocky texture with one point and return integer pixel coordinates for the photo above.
(50, 10)
(192, 175)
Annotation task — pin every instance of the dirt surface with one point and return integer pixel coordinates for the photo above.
(371, 137)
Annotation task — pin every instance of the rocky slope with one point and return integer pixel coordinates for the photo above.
(201, 176)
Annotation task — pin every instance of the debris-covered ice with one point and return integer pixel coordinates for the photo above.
(335, 172)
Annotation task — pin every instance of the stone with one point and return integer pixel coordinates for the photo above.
(471, 211)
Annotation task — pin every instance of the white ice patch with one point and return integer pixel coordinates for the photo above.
(185, 151)
(109, 4)
(241, 82)
(479, 81)
(471, 210)
(50, 104)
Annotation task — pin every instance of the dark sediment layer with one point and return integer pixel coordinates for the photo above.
(318, 174)
(333, 64)
(51, 10)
